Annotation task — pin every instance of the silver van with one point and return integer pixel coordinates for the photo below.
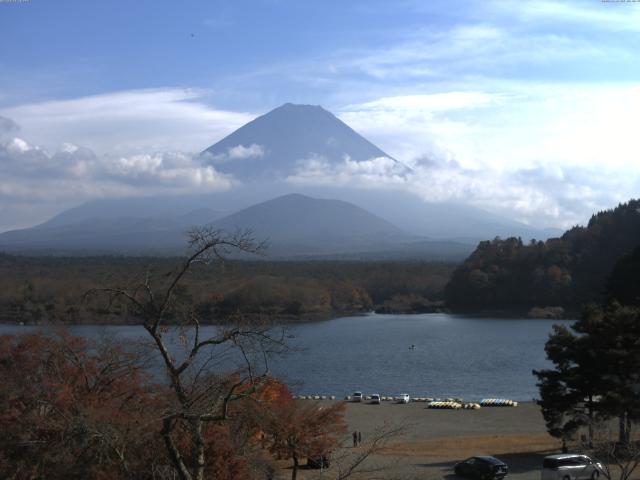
(571, 466)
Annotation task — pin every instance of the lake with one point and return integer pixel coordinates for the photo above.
(454, 355)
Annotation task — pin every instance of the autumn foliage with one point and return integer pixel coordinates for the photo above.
(70, 412)
(298, 430)
(38, 290)
(568, 271)
(73, 410)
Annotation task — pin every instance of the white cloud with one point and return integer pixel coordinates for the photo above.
(239, 152)
(430, 103)
(541, 196)
(381, 172)
(252, 151)
(471, 50)
(599, 16)
(549, 155)
(126, 122)
(17, 145)
(126, 143)
(516, 128)
(35, 184)
(538, 195)
(407, 126)
(172, 169)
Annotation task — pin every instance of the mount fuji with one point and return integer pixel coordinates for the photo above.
(299, 219)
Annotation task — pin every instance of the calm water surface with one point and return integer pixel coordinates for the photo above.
(454, 355)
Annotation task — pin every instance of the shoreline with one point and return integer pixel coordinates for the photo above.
(318, 317)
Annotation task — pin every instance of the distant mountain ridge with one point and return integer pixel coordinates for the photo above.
(173, 207)
(294, 226)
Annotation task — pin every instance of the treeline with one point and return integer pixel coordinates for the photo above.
(51, 289)
(568, 271)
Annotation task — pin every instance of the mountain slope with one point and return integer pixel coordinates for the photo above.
(167, 207)
(295, 225)
(300, 217)
(123, 236)
(299, 224)
(436, 220)
(271, 146)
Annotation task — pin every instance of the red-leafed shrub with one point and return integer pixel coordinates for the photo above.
(67, 411)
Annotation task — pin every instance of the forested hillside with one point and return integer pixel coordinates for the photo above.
(567, 271)
(50, 289)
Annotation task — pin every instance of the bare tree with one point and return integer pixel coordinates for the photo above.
(201, 394)
(619, 460)
(354, 461)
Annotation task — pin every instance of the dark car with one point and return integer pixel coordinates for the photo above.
(321, 461)
(482, 468)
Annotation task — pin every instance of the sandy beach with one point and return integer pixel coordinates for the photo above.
(434, 440)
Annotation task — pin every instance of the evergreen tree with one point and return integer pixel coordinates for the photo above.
(596, 372)
(615, 333)
(624, 283)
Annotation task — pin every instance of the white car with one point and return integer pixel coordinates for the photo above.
(571, 466)
(403, 398)
(375, 399)
(357, 397)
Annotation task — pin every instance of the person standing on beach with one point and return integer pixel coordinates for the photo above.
(359, 437)
(355, 438)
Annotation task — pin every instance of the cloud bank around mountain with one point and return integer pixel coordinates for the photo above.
(35, 184)
(547, 155)
(529, 109)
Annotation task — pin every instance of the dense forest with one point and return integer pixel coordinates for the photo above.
(566, 272)
(51, 289)
(587, 264)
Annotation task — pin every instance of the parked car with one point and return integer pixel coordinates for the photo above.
(403, 398)
(356, 397)
(375, 399)
(571, 466)
(321, 461)
(482, 468)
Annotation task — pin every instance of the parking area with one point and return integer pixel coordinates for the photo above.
(433, 440)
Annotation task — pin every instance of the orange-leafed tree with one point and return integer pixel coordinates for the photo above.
(296, 430)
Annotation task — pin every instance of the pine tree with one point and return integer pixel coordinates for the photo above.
(596, 372)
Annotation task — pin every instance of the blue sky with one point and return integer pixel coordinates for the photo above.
(257, 54)
(525, 108)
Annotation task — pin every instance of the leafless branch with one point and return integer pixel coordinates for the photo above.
(353, 462)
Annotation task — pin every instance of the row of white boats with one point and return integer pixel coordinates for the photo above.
(448, 403)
